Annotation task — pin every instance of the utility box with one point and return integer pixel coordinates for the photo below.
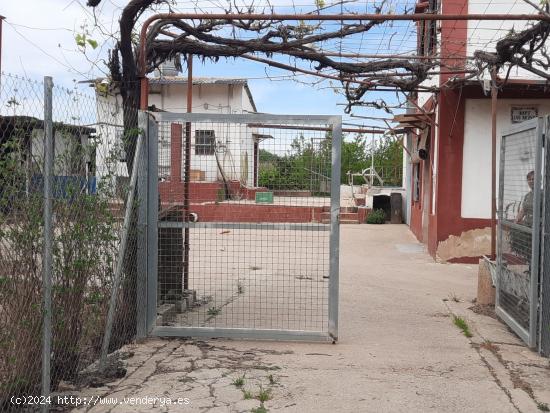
(264, 197)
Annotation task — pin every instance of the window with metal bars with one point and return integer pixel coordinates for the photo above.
(204, 142)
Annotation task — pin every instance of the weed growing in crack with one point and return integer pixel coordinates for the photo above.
(213, 311)
(463, 325)
(543, 407)
(272, 379)
(247, 395)
(260, 409)
(264, 395)
(239, 382)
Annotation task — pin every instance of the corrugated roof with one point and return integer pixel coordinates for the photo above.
(170, 80)
(197, 80)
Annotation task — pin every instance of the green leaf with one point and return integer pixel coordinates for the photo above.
(80, 40)
(92, 43)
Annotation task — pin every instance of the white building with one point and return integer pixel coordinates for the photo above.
(449, 189)
(218, 150)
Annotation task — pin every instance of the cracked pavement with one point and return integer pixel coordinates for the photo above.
(398, 350)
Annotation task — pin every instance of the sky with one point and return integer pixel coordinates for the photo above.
(39, 40)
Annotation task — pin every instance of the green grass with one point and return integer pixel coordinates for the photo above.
(264, 395)
(463, 325)
(247, 395)
(213, 311)
(543, 407)
(260, 409)
(238, 382)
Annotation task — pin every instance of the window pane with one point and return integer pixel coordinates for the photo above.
(204, 142)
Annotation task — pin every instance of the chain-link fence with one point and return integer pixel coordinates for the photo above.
(64, 181)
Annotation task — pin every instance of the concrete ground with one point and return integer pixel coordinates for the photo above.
(398, 350)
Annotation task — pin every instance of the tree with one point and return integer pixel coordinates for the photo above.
(354, 157)
(232, 38)
(388, 160)
(167, 38)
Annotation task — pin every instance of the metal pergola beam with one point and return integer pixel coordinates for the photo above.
(312, 17)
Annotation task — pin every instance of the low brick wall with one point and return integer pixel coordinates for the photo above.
(227, 212)
(172, 192)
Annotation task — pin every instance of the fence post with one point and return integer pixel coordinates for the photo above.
(121, 253)
(142, 258)
(334, 252)
(152, 222)
(48, 238)
(544, 320)
(536, 233)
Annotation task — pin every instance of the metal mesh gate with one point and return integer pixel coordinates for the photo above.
(518, 253)
(247, 222)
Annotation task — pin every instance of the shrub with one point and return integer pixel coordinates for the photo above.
(378, 216)
(85, 244)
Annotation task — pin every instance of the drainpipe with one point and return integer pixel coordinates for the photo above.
(187, 173)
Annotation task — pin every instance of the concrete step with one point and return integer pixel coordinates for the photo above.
(342, 221)
(349, 221)
(346, 217)
(349, 215)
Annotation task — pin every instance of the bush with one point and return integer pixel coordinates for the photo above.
(378, 216)
(85, 245)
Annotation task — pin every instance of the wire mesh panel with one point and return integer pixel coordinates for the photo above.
(21, 242)
(519, 228)
(51, 334)
(247, 228)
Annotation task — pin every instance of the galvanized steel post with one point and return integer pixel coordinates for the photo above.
(121, 253)
(544, 320)
(48, 240)
(333, 288)
(536, 233)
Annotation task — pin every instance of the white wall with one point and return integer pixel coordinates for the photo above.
(476, 161)
(207, 98)
(109, 148)
(423, 97)
(236, 140)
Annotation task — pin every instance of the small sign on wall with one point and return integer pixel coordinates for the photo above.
(522, 113)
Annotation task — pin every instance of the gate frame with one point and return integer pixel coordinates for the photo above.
(544, 316)
(528, 336)
(148, 190)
